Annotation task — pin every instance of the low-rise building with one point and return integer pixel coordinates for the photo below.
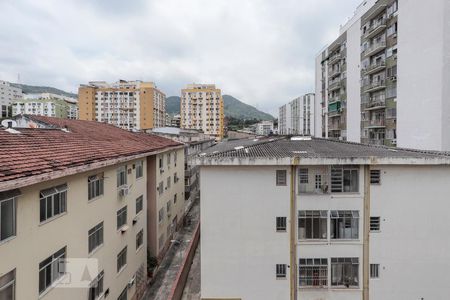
(46, 104)
(264, 128)
(8, 94)
(84, 197)
(308, 218)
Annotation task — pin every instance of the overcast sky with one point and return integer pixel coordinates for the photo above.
(260, 51)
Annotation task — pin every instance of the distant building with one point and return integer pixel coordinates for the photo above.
(195, 143)
(310, 218)
(202, 109)
(297, 117)
(264, 128)
(8, 94)
(175, 121)
(46, 104)
(131, 105)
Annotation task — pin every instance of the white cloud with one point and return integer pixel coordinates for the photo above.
(260, 51)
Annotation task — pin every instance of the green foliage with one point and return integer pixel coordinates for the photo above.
(30, 89)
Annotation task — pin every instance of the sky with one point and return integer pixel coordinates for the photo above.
(260, 51)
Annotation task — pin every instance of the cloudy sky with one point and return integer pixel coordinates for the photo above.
(260, 51)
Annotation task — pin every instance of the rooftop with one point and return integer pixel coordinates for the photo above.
(68, 145)
(294, 150)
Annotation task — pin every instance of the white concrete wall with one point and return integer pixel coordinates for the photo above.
(354, 82)
(318, 97)
(239, 244)
(412, 245)
(423, 111)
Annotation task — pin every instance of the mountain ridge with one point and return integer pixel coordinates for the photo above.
(32, 89)
(233, 108)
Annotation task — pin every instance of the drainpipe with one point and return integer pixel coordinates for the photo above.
(292, 239)
(366, 263)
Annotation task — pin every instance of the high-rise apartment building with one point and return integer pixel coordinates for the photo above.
(370, 80)
(201, 108)
(131, 105)
(297, 116)
(8, 94)
(310, 218)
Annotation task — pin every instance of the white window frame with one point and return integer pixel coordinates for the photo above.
(308, 267)
(122, 217)
(56, 267)
(9, 283)
(341, 262)
(96, 287)
(122, 259)
(122, 176)
(139, 204)
(281, 177)
(346, 216)
(315, 216)
(14, 216)
(95, 186)
(48, 196)
(139, 239)
(95, 235)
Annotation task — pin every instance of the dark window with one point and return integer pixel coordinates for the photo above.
(139, 204)
(121, 217)
(7, 218)
(139, 239)
(121, 259)
(53, 202)
(95, 186)
(281, 177)
(51, 269)
(375, 176)
(95, 237)
(344, 224)
(345, 272)
(96, 287)
(313, 272)
(374, 223)
(312, 224)
(281, 271)
(281, 223)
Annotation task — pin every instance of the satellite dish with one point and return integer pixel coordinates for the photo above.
(9, 123)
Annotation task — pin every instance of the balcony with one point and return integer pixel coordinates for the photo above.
(374, 86)
(377, 123)
(334, 113)
(375, 67)
(335, 72)
(335, 58)
(376, 28)
(334, 126)
(334, 100)
(375, 48)
(379, 142)
(377, 103)
(335, 85)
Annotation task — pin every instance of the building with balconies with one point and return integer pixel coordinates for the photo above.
(309, 218)
(298, 116)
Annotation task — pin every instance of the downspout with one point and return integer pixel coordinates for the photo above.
(292, 239)
(366, 263)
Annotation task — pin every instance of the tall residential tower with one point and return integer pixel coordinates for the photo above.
(131, 105)
(297, 116)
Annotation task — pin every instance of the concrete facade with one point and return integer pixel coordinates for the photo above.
(298, 116)
(8, 94)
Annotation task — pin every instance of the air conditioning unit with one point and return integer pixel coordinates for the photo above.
(394, 78)
(124, 190)
(135, 219)
(131, 282)
(124, 228)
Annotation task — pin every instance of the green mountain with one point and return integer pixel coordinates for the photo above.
(233, 108)
(31, 89)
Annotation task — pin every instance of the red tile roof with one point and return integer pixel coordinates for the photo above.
(38, 151)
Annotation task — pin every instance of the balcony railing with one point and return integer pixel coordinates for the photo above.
(335, 84)
(335, 72)
(376, 123)
(375, 28)
(334, 113)
(374, 85)
(374, 67)
(374, 48)
(334, 126)
(334, 58)
(376, 103)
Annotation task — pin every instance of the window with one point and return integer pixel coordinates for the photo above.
(121, 176)
(169, 181)
(303, 176)
(375, 176)
(313, 272)
(7, 216)
(139, 169)
(374, 271)
(139, 239)
(96, 287)
(51, 269)
(344, 272)
(122, 259)
(53, 202)
(168, 159)
(318, 182)
(175, 177)
(175, 158)
(281, 223)
(161, 215)
(344, 180)
(123, 295)
(161, 163)
(175, 199)
(95, 237)
(344, 224)
(312, 224)
(281, 177)
(374, 223)
(280, 271)
(161, 188)
(121, 217)
(8, 285)
(139, 203)
(95, 186)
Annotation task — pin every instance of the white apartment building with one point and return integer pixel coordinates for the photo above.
(201, 108)
(49, 105)
(8, 94)
(369, 79)
(131, 105)
(264, 128)
(297, 117)
(310, 218)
